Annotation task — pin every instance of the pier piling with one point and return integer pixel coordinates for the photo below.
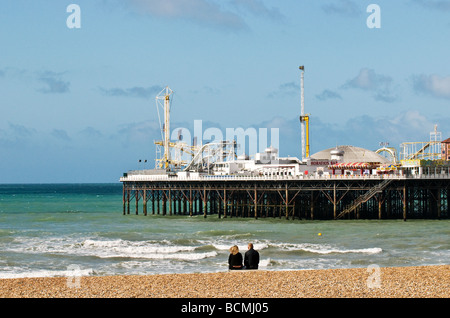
(309, 199)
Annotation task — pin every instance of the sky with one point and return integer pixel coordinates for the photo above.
(78, 86)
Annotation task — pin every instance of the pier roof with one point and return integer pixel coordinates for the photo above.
(352, 154)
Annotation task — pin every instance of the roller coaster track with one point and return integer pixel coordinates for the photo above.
(414, 156)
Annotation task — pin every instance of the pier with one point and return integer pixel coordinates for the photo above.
(306, 198)
(345, 182)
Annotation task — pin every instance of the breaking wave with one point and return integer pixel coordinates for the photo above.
(324, 249)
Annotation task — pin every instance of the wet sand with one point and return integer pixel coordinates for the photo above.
(392, 282)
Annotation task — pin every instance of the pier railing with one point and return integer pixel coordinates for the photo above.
(146, 177)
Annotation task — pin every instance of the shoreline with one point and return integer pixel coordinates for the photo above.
(431, 281)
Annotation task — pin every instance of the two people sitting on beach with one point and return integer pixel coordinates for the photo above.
(251, 258)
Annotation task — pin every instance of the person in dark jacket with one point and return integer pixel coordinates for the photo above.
(251, 258)
(235, 258)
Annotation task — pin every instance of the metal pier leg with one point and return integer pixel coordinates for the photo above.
(256, 204)
(380, 205)
(404, 203)
(158, 201)
(184, 203)
(153, 201)
(286, 202)
(124, 199)
(190, 201)
(170, 202)
(204, 202)
(128, 201)
(334, 200)
(448, 201)
(164, 203)
(438, 195)
(225, 204)
(144, 202)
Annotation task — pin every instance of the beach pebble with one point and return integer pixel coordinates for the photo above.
(393, 282)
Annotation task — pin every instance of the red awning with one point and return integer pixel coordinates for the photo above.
(351, 165)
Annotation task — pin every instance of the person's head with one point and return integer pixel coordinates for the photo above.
(234, 249)
(250, 246)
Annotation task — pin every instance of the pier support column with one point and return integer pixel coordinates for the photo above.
(164, 203)
(204, 202)
(144, 202)
(136, 198)
(170, 202)
(404, 203)
(334, 201)
(190, 200)
(124, 198)
(128, 201)
(225, 203)
(256, 204)
(380, 204)
(388, 203)
(153, 201)
(286, 202)
(438, 203)
(158, 200)
(447, 205)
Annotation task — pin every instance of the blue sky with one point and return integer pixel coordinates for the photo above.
(78, 105)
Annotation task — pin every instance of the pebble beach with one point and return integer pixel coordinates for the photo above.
(387, 282)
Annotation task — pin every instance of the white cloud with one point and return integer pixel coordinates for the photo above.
(136, 91)
(367, 79)
(380, 85)
(433, 85)
(328, 94)
(342, 7)
(285, 89)
(144, 131)
(219, 14)
(60, 134)
(15, 135)
(54, 83)
(257, 8)
(440, 5)
(202, 12)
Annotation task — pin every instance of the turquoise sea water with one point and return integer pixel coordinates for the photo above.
(48, 230)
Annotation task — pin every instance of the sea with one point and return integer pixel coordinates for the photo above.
(49, 230)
